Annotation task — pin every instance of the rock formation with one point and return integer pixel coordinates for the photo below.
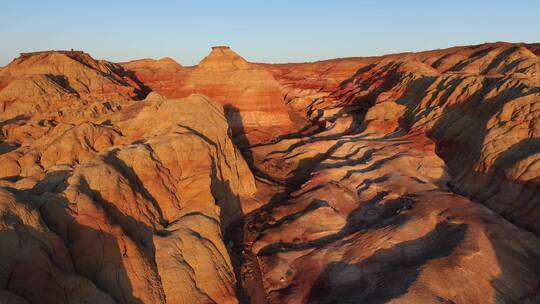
(250, 94)
(130, 209)
(160, 195)
(387, 195)
(60, 81)
(406, 178)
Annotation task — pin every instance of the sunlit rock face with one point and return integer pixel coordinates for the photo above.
(251, 96)
(407, 178)
(61, 81)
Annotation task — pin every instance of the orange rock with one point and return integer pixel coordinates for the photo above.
(252, 97)
(60, 80)
(407, 178)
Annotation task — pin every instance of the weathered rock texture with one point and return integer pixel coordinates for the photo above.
(415, 182)
(407, 178)
(128, 205)
(61, 81)
(250, 94)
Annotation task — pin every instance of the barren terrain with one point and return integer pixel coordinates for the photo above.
(406, 178)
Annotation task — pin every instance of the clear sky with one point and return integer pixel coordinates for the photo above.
(264, 31)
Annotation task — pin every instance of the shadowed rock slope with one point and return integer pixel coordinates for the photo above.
(407, 178)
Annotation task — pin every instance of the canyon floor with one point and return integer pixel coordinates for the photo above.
(405, 178)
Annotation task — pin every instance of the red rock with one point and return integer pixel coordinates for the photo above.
(60, 81)
(251, 96)
(406, 178)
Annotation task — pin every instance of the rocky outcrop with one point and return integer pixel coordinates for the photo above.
(148, 194)
(163, 75)
(252, 97)
(60, 81)
(159, 65)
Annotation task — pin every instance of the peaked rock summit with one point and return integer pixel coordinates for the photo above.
(252, 97)
(222, 57)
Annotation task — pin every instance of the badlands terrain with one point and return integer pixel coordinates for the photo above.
(406, 178)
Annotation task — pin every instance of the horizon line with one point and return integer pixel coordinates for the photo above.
(277, 63)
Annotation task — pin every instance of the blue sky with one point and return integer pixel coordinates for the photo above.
(264, 31)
